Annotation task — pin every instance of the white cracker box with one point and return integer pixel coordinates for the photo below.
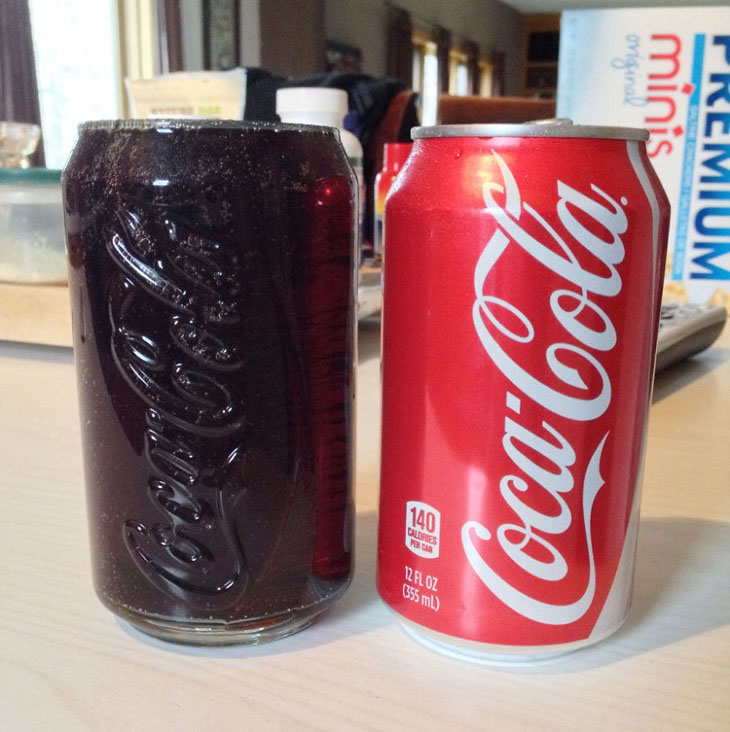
(667, 70)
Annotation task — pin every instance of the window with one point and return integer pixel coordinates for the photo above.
(468, 71)
(486, 78)
(425, 75)
(75, 44)
(459, 81)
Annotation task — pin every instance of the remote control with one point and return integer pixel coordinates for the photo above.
(686, 329)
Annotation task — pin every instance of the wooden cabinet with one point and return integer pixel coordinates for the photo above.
(540, 44)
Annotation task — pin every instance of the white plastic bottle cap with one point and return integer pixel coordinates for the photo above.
(312, 99)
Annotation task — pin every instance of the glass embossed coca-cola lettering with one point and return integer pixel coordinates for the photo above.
(212, 282)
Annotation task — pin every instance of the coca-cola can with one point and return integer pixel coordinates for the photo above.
(522, 295)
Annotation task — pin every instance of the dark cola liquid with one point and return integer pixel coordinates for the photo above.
(211, 272)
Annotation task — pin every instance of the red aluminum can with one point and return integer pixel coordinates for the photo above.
(522, 295)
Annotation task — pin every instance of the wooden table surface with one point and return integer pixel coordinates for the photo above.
(67, 664)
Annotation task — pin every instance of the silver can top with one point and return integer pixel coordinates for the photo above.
(539, 128)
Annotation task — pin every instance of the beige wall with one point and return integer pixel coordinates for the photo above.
(363, 24)
(287, 36)
(292, 36)
(191, 19)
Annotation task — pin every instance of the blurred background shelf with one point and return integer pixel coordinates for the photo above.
(370, 291)
(540, 45)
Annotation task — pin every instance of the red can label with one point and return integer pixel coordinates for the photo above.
(520, 317)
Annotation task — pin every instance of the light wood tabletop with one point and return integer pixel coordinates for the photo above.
(67, 664)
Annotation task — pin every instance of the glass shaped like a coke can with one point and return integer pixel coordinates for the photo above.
(523, 283)
(213, 298)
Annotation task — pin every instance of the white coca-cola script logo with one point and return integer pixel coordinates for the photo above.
(585, 340)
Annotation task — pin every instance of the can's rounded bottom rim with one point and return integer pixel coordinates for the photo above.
(493, 654)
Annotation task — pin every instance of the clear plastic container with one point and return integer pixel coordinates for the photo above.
(31, 226)
(18, 141)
